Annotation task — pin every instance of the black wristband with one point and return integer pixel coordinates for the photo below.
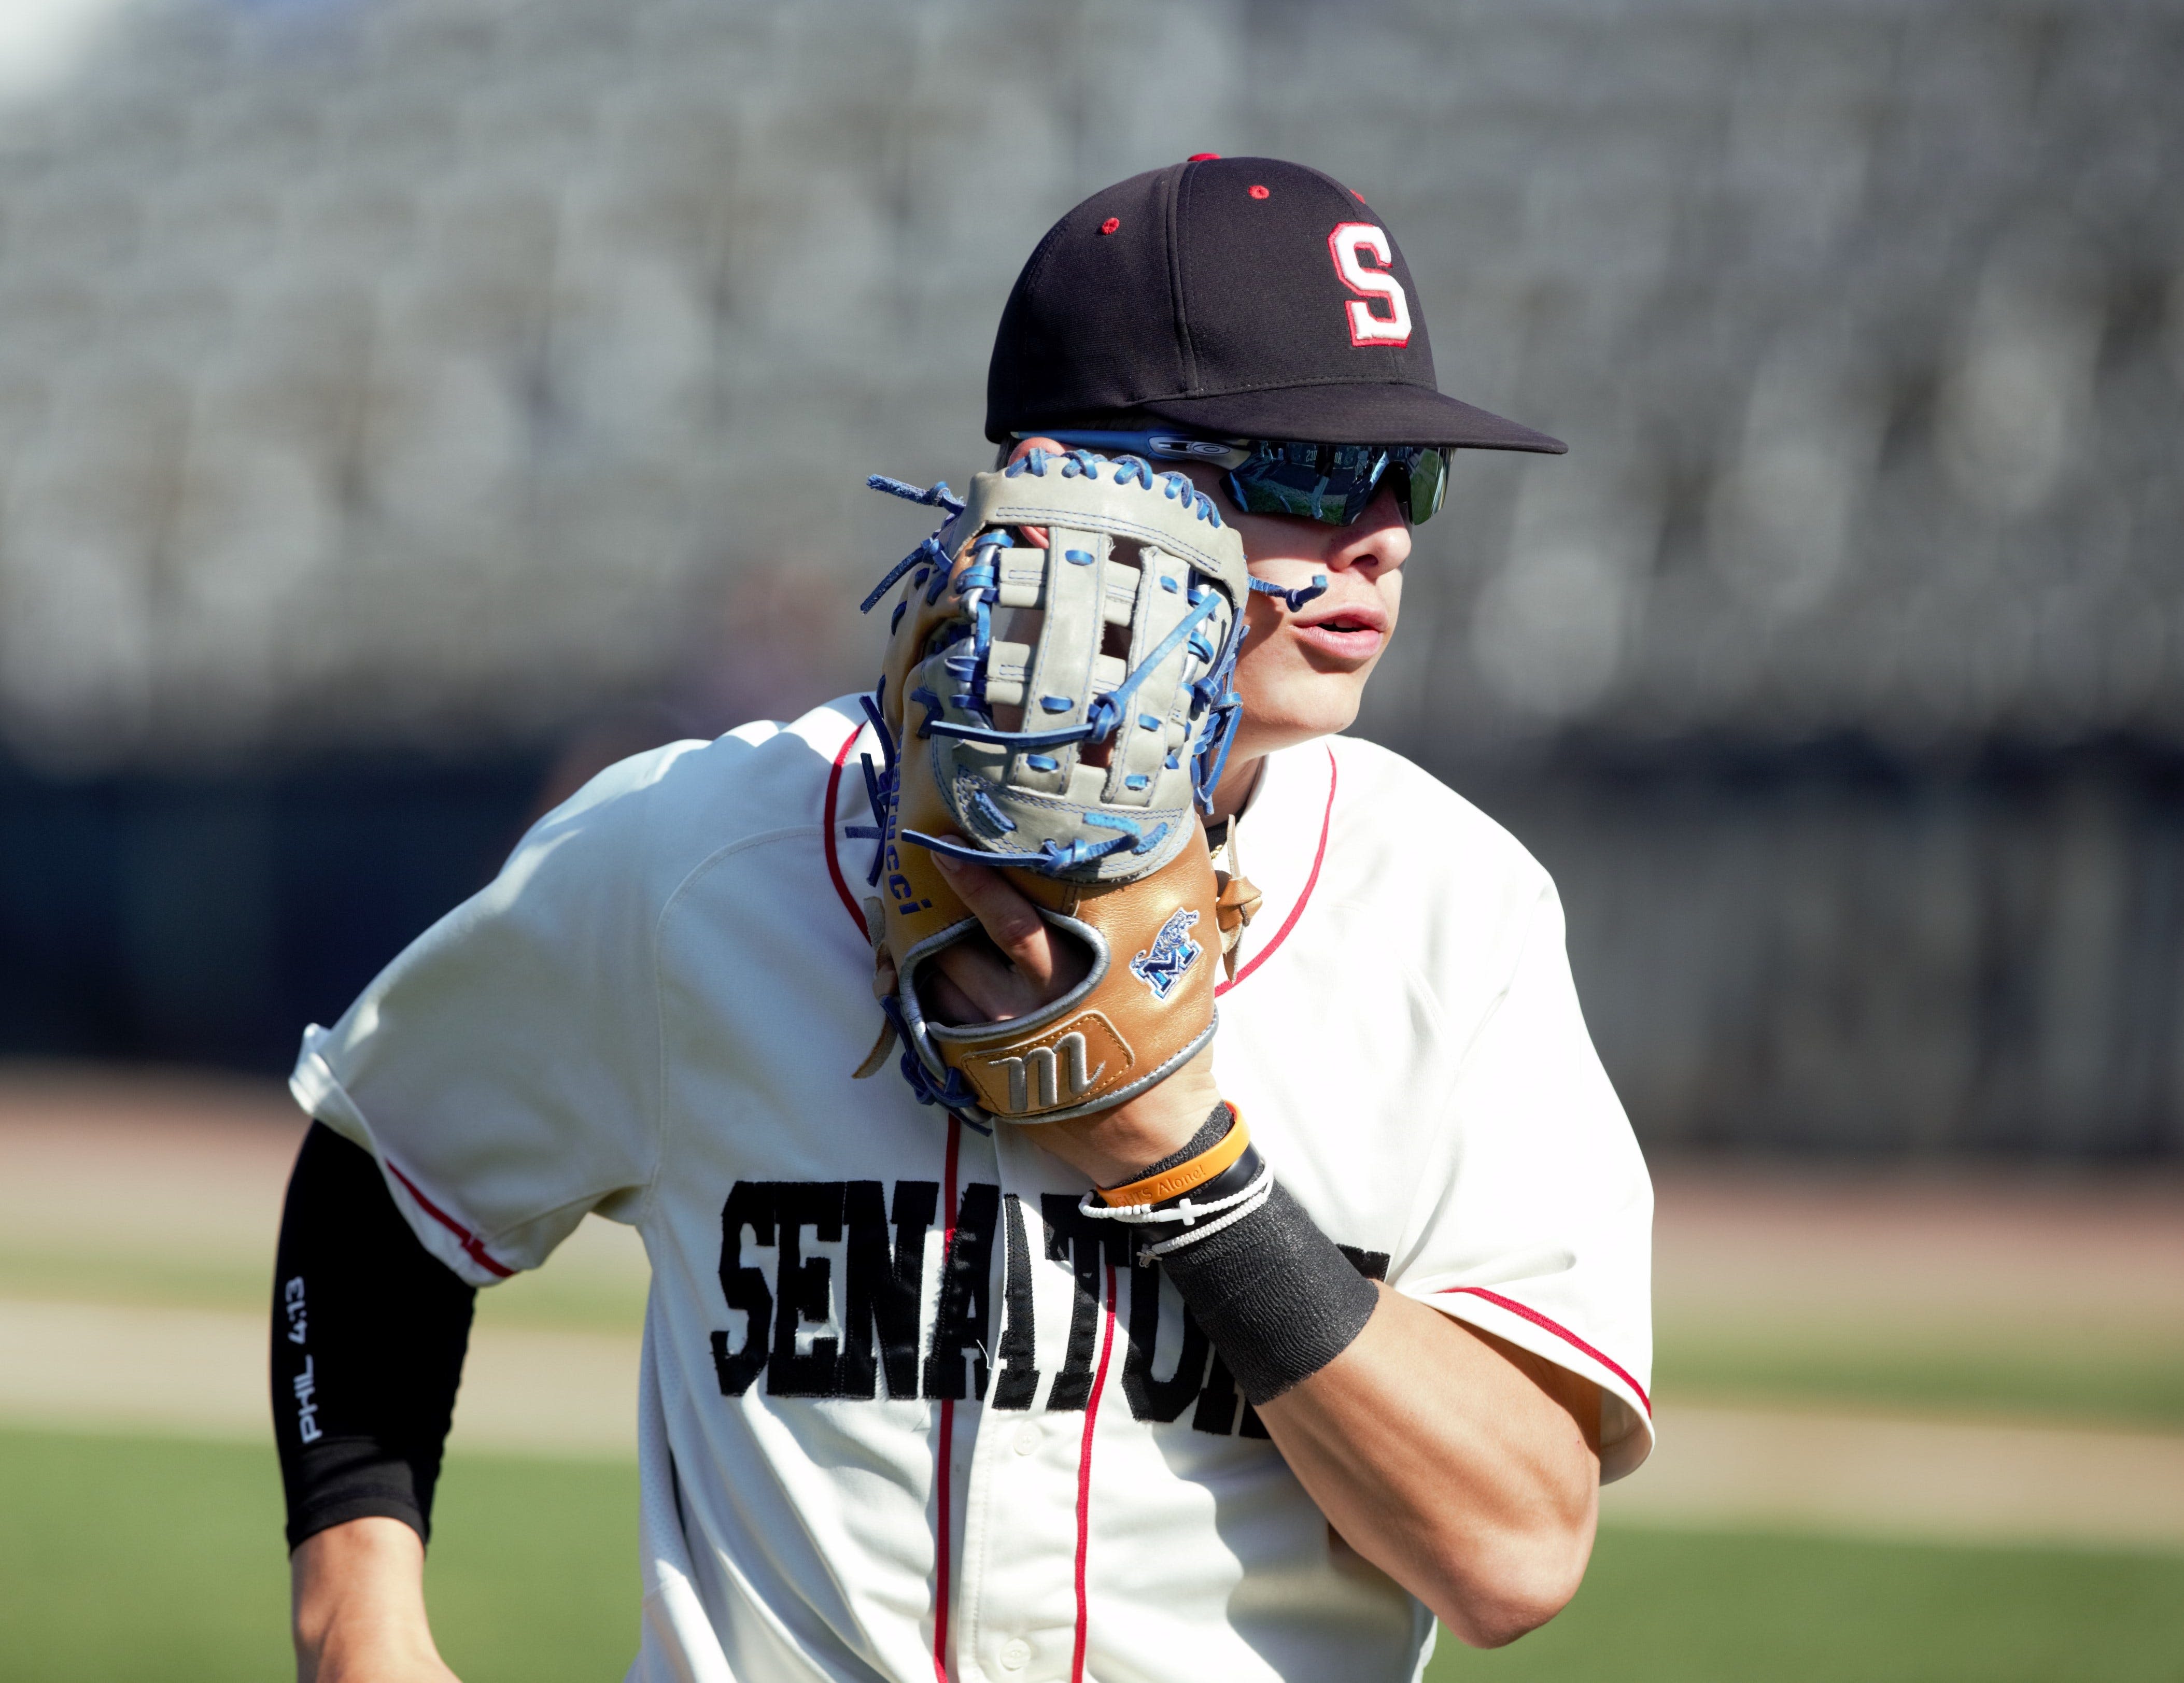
(1274, 1294)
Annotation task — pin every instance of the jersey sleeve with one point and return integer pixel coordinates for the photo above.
(503, 1070)
(1539, 1231)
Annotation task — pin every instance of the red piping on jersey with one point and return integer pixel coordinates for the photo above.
(1084, 1478)
(833, 798)
(473, 1246)
(942, 1540)
(1561, 1332)
(944, 1455)
(944, 1476)
(1266, 952)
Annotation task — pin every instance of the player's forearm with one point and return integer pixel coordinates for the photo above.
(1462, 1467)
(358, 1600)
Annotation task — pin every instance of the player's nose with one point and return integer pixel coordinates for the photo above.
(1378, 541)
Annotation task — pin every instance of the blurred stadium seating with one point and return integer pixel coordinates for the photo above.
(420, 385)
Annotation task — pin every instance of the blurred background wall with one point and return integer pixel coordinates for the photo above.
(407, 406)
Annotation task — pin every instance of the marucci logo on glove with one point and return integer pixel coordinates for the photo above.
(1161, 965)
(1060, 1068)
(1050, 1076)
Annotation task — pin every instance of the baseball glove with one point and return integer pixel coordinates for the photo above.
(1063, 712)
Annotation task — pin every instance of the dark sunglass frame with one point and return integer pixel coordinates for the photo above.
(1332, 483)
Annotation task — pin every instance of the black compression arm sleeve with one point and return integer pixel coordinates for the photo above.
(369, 1331)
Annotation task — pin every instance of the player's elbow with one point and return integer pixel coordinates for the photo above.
(1494, 1614)
(1516, 1580)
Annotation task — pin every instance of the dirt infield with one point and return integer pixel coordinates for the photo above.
(160, 1165)
(138, 1212)
(1924, 1242)
(1854, 1473)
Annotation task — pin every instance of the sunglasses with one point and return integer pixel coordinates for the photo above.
(1332, 483)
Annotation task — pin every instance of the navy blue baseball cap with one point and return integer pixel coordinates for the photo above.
(1240, 297)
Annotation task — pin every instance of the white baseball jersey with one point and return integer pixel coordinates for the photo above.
(903, 1413)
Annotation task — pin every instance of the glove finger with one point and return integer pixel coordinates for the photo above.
(987, 988)
(1012, 923)
(992, 989)
(945, 1002)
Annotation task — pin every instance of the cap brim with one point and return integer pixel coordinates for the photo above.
(1363, 413)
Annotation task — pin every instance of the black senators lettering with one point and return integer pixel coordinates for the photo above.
(835, 1311)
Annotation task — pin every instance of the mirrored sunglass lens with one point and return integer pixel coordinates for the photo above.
(1259, 493)
(1332, 483)
(1428, 472)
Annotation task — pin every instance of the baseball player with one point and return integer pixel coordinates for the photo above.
(1234, 1255)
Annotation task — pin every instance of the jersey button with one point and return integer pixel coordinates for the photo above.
(1017, 1656)
(1027, 1441)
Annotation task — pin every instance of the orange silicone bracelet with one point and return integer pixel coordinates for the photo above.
(1173, 1183)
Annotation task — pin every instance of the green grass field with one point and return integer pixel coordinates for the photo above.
(161, 1562)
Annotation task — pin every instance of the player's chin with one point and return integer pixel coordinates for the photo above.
(1316, 695)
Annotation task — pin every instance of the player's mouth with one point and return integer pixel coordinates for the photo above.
(1348, 634)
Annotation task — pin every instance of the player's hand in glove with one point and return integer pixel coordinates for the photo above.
(1054, 713)
(1015, 965)
(1021, 965)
